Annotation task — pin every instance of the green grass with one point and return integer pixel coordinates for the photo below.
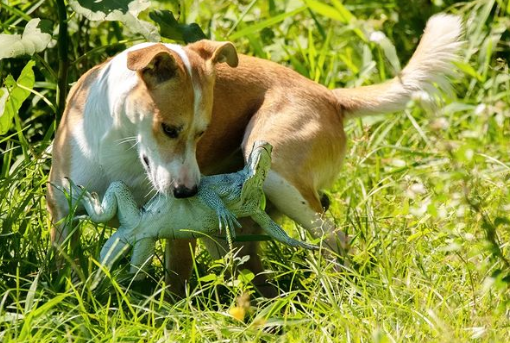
(424, 196)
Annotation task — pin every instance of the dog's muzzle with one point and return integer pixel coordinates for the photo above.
(184, 192)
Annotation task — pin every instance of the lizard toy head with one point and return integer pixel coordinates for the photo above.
(257, 167)
(259, 161)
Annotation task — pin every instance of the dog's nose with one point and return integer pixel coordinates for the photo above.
(185, 192)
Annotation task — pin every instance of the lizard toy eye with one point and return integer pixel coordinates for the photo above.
(170, 131)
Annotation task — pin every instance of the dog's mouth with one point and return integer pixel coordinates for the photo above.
(146, 164)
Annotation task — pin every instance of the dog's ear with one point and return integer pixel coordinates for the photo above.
(225, 52)
(217, 52)
(155, 64)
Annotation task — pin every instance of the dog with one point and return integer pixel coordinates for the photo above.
(156, 116)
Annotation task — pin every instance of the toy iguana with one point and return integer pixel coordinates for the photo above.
(219, 201)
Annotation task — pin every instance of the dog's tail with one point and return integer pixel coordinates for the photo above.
(427, 70)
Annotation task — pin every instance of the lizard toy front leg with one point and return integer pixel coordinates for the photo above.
(99, 212)
(227, 219)
(275, 231)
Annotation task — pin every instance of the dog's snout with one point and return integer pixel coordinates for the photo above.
(185, 192)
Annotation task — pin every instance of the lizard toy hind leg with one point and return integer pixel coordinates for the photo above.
(119, 201)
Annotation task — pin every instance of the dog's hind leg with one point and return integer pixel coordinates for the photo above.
(308, 148)
(307, 211)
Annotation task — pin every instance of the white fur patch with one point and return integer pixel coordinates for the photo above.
(291, 203)
(198, 99)
(105, 105)
(197, 89)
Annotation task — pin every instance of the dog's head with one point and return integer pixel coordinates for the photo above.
(173, 107)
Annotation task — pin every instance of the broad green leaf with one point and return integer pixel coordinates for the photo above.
(208, 278)
(170, 28)
(265, 23)
(468, 69)
(13, 96)
(326, 10)
(344, 12)
(125, 11)
(245, 276)
(31, 41)
(4, 94)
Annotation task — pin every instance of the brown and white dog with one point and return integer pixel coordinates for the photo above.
(157, 115)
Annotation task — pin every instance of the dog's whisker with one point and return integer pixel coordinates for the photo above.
(133, 146)
(127, 140)
(152, 190)
(133, 141)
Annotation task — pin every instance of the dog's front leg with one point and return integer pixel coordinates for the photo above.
(179, 264)
(218, 248)
(142, 253)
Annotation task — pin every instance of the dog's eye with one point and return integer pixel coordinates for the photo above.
(170, 131)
